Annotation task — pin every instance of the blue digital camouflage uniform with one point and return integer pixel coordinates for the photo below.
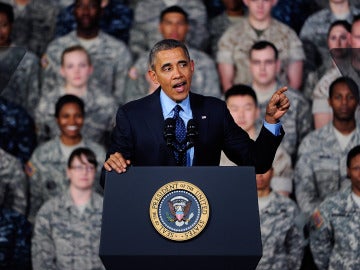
(335, 233)
(17, 130)
(15, 240)
(116, 20)
(64, 238)
(282, 241)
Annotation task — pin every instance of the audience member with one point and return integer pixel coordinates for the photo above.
(111, 57)
(34, 23)
(282, 240)
(338, 37)
(174, 24)
(233, 11)
(264, 68)
(335, 226)
(235, 43)
(316, 26)
(242, 103)
(17, 130)
(67, 227)
(116, 20)
(144, 32)
(76, 69)
(13, 184)
(46, 168)
(320, 170)
(23, 87)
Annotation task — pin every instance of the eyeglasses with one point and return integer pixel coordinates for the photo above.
(81, 168)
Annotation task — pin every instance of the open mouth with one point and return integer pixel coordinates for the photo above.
(179, 86)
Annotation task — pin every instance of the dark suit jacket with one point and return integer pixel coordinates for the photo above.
(138, 135)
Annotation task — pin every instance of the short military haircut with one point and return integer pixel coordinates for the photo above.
(66, 99)
(163, 45)
(241, 90)
(80, 153)
(263, 44)
(342, 23)
(352, 154)
(75, 48)
(98, 2)
(355, 19)
(174, 9)
(8, 11)
(349, 82)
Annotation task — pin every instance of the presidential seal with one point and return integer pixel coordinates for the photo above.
(179, 211)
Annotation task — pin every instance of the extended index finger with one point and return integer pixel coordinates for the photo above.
(282, 90)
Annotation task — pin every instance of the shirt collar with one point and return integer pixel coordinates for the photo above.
(167, 105)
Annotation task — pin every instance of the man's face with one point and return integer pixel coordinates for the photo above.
(263, 180)
(232, 4)
(355, 35)
(343, 102)
(76, 69)
(174, 26)
(259, 10)
(173, 71)
(244, 111)
(354, 174)
(338, 37)
(87, 14)
(5, 30)
(263, 66)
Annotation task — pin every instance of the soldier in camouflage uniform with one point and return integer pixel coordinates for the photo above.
(111, 57)
(13, 184)
(17, 130)
(264, 66)
(316, 26)
(67, 227)
(335, 224)
(235, 43)
(144, 32)
(46, 168)
(23, 86)
(116, 20)
(34, 24)
(99, 108)
(234, 10)
(320, 168)
(174, 24)
(282, 241)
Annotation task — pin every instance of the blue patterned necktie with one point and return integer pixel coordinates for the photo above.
(180, 133)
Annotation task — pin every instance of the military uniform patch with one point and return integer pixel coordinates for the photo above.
(29, 169)
(179, 211)
(317, 219)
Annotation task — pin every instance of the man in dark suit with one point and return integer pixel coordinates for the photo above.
(138, 137)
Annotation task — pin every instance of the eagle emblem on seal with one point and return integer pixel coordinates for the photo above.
(179, 207)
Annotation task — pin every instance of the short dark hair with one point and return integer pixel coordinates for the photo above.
(166, 44)
(74, 49)
(241, 90)
(8, 11)
(349, 82)
(82, 151)
(66, 99)
(174, 9)
(352, 154)
(343, 23)
(356, 18)
(262, 44)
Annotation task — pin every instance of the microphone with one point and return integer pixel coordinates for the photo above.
(191, 133)
(169, 131)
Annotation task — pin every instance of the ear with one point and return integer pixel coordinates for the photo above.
(246, 2)
(68, 173)
(278, 66)
(91, 70)
(62, 72)
(257, 113)
(152, 76)
(192, 65)
(274, 2)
